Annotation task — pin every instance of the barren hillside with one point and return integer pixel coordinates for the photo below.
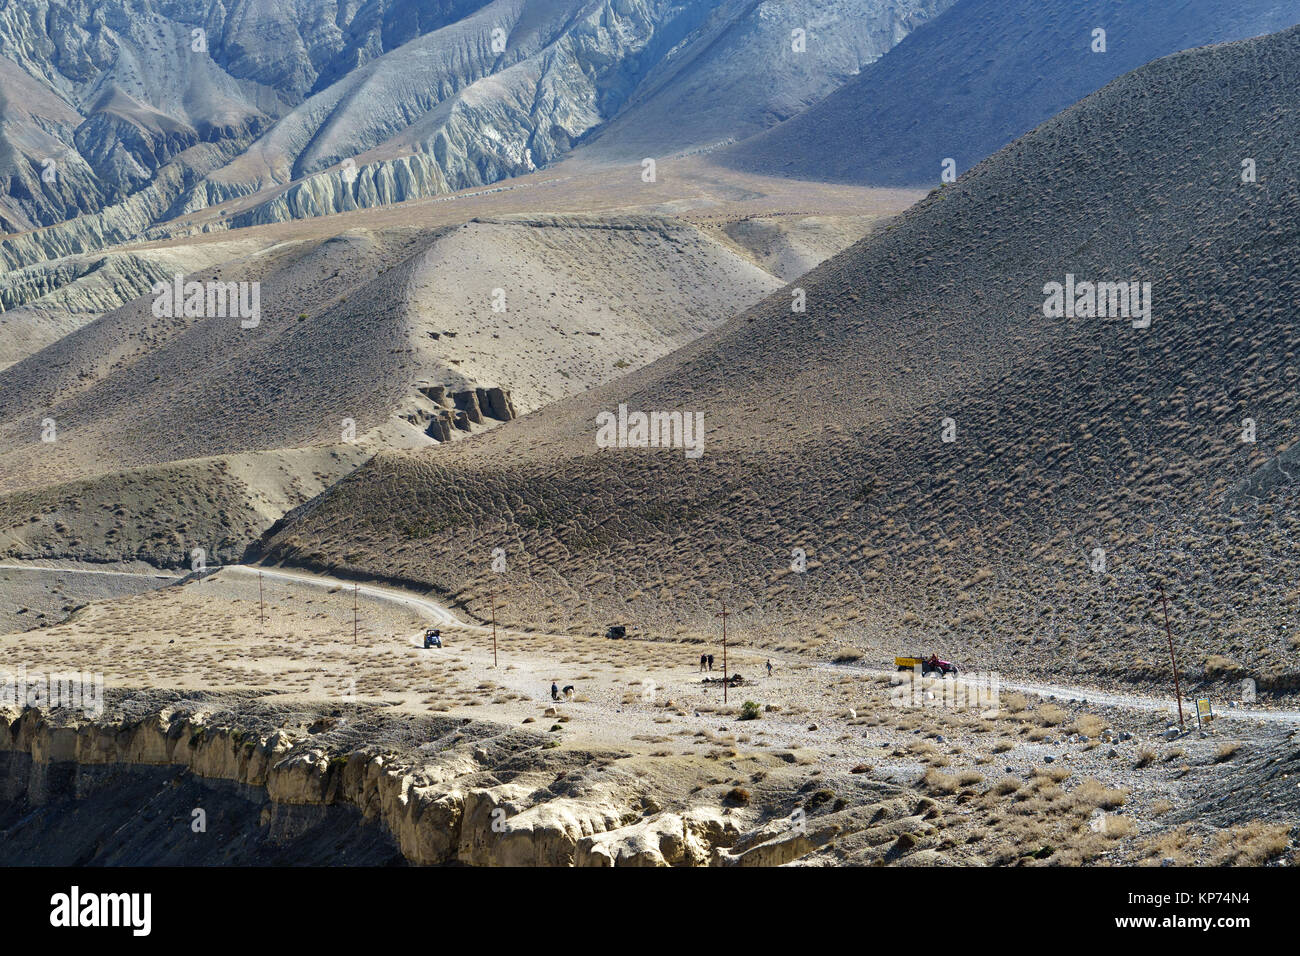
(1089, 459)
(144, 435)
(352, 326)
(984, 73)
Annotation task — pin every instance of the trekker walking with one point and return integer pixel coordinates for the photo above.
(704, 662)
(555, 691)
(769, 667)
(710, 662)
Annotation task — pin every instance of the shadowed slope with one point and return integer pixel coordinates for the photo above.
(985, 72)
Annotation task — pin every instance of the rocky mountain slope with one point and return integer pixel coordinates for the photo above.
(984, 73)
(121, 94)
(120, 116)
(933, 455)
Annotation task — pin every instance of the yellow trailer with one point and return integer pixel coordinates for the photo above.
(942, 668)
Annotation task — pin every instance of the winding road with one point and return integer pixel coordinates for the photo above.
(445, 617)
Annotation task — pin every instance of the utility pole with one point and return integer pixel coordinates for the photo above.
(723, 615)
(1169, 631)
(494, 629)
(355, 587)
(261, 602)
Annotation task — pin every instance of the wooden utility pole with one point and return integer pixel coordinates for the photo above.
(1172, 660)
(355, 587)
(723, 615)
(494, 630)
(261, 602)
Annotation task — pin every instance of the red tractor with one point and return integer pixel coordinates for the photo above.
(928, 665)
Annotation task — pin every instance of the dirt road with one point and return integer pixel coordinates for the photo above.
(443, 616)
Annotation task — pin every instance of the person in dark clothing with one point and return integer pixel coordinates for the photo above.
(555, 691)
(710, 662)
(704, 662)
(769, 668)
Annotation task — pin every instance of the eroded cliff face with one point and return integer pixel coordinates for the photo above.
(114, 91)
(283, 786)
(464, 805)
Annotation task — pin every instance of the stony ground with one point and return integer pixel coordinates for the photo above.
(1057, 780)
